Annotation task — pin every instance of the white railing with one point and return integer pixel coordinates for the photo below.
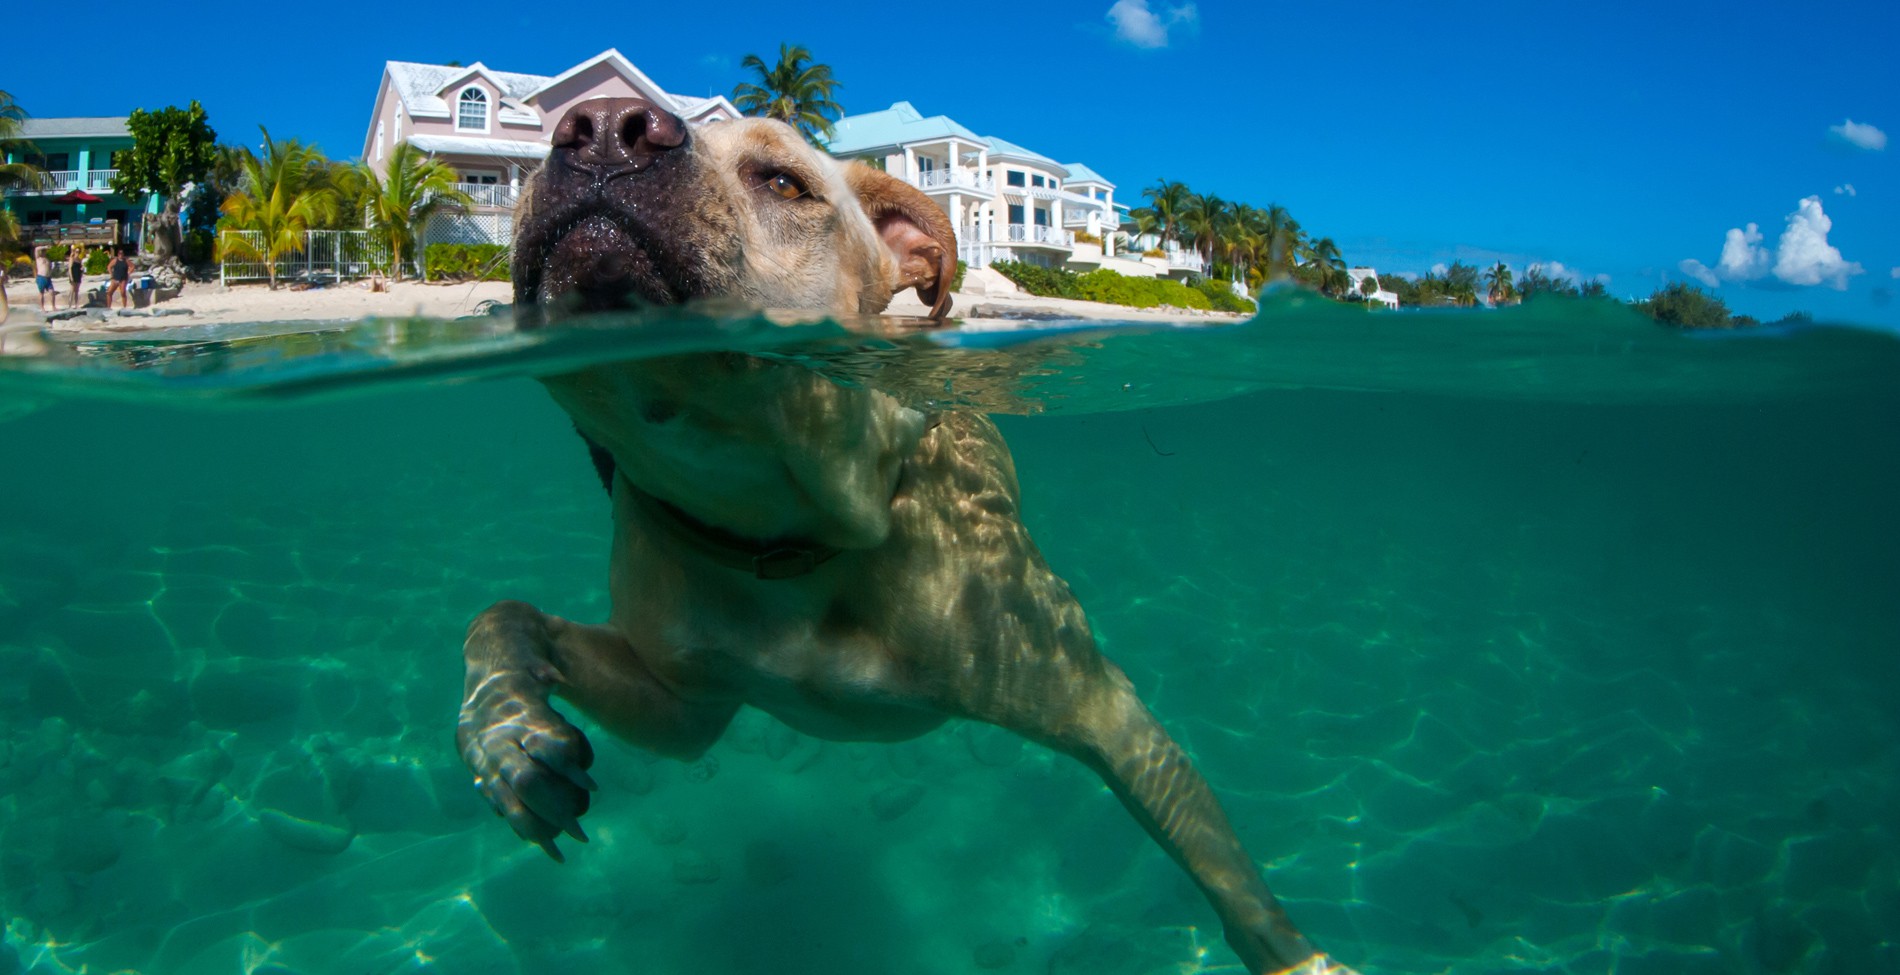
(953, 179)
(490, 194)
(976, 253)
(340, 255)
(1082, 216)
(1191, 260)
(67, 180)
(1038, 234)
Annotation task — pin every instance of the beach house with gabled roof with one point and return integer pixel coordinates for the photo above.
(71, 198)
(493, 126)
(1008, 202)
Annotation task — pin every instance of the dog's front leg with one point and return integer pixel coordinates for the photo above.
(529, 761)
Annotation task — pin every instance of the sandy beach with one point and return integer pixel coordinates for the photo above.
(986, 299)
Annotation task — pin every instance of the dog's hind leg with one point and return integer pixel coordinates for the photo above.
(529, 762)
(1103, 724)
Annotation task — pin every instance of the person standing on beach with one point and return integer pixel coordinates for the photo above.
(120, 271)
(76, 268)
(43, 279)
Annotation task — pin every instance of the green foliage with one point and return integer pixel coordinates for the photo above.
(96, 260)
(1038, 280)
(465, 262)
(284, 193)
(399, 202)
(58, 252)
(170, 147)
(1688, 306)
(198, 247)
(1222, 297)
(956, 283)
(793, 91)
(1084, 237)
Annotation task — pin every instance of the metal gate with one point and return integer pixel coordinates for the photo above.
(325, 255)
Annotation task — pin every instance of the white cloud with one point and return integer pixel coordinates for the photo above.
(1896, 272)
(1142, 27)
(1845, 189)
(1801, 257)
(1856, 134)
(1805, 257)
(1440, 268)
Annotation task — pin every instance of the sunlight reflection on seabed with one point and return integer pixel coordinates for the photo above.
(1570, 648)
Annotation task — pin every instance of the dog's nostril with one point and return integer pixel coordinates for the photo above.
(583, 130)
(633, 128)
(615, 132)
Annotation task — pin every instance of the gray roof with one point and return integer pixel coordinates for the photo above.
(891, 127)
(74, 128)
(472, 146)
(417, 84)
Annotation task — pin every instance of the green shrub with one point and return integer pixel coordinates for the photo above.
(465, 262)
(198, 247)
(58, 252)
(97, 259)
(1040, 281)
(956, 283)
(1222, 296)
(1119, 289)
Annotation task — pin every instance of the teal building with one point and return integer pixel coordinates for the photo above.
(78, 158)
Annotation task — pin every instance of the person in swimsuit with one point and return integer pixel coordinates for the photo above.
(43, 279)
(121, 272)
(76, 268)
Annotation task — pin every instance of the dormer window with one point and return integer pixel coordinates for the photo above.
(471, 110)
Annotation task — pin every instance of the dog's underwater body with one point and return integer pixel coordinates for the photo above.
(852, 566)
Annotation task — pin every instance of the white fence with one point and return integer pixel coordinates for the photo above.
(470, 228)
(326, 255)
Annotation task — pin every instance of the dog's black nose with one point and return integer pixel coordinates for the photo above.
(618, 134)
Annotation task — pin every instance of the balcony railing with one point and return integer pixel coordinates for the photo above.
(66, 180)
(1191, 260)
(1038, 234)
(490, 194)
(953, 179)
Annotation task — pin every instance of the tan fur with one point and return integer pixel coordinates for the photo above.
(935, 603)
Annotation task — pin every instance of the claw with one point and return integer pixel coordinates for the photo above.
(573, 828)
(552, 850)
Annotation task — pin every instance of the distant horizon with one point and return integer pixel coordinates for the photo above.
(1745, 152)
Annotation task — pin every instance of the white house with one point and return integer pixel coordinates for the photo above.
(1360, 274)
(493, 126)
(1007, 202)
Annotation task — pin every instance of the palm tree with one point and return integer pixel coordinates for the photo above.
(1283, 241)
(284, 193)
(400, 201)
(1328, 267)
(1167, 202)
(792, 91)
(1204, 219)
(1461, 283)
(1498, 284)
(12, 118)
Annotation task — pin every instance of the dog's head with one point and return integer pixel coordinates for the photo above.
(634, 207)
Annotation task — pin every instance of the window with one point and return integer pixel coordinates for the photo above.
(1042, 217)
(1014, 178)
(379, 140)
(1035, 181)
(1015, 213)
(471, 110)
(481, 179)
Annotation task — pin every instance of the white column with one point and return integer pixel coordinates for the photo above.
(956, 213)
(910, 165)
(982, 161)
(953, 156)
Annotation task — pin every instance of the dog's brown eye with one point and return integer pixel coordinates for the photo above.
(785, 186)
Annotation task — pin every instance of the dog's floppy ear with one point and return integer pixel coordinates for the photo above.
(915, 230)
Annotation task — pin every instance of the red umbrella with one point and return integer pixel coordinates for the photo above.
(78, 196)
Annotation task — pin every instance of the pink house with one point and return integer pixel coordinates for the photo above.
(493, 126)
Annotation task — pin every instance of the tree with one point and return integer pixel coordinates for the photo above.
(1497, 282)
(399, 201)
(792, 91)
(171, 148)
(1167, 202)
(284, 193)
(1327, 267)
(1688, 306)
(12, 119)
(1461, 283)
(1203, 218)
(1593, 289)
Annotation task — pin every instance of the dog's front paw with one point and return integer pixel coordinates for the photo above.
(529, 762)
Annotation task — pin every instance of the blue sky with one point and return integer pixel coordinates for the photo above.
(1616, 138)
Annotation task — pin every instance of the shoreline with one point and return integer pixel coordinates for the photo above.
(256, 304)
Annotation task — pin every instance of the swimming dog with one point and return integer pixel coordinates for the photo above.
(850, 565)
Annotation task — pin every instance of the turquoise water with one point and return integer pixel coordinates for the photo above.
(1532, 641)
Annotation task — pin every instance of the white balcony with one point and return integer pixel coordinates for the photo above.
(1038, 234)
(490, 194)
(55, 181)
(1186, 261)
(953, 181)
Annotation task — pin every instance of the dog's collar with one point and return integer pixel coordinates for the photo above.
(786, 558)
